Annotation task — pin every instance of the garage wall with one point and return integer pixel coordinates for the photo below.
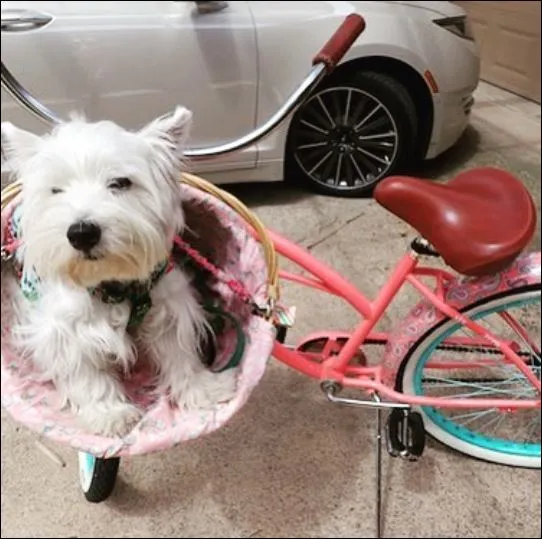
(509, 37)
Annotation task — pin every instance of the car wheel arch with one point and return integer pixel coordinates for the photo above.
(407, 75)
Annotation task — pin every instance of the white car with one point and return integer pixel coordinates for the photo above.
(403, 92)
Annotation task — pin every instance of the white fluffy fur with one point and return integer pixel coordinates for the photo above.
(77, 341)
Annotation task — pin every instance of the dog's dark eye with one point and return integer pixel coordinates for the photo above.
(56, 190)
(120, 184)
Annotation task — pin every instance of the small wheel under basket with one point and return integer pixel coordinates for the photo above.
(97, 476)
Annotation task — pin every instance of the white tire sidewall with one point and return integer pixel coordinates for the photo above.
(438, 432)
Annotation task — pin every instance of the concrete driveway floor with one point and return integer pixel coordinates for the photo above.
(290, 464)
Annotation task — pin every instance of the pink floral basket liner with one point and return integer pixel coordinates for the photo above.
(222, 235)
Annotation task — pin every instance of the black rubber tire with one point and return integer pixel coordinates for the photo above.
(395, 97)
(103, 480)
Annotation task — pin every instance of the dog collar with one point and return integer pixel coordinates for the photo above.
(137, 293)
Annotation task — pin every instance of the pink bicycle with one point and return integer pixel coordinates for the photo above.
(468, 356)
(464, 364)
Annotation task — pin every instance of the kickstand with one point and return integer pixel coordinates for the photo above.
(378, 471)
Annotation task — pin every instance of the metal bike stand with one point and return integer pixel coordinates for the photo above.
(378, 469)
(331, 389)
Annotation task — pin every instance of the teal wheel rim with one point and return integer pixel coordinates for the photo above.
(87, 462)
(492, 443)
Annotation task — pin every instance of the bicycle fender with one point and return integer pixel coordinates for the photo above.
(458, 293)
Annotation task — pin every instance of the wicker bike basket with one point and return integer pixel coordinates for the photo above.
(229, 235)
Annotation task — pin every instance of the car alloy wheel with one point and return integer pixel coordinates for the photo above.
(347, 138)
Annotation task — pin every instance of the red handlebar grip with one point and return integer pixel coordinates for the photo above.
(339, 43)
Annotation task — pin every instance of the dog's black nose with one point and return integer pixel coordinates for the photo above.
(84, 235)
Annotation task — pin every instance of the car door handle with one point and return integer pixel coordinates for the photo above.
(211, 6)
(23, 20)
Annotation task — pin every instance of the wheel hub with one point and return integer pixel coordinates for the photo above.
(342, 139)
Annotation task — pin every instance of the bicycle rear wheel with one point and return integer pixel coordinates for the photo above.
(481, 371)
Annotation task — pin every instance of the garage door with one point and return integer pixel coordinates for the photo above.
(509, 36)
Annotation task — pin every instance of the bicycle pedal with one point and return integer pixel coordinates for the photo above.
(405, 434)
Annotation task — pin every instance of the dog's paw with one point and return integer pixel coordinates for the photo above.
(116, 419)
(207, 389)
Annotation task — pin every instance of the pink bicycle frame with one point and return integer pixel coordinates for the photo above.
(337, 368)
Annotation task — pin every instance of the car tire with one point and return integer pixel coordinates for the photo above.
(365, 123)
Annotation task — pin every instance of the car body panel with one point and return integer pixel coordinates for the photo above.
(401, 33)
(132, 61)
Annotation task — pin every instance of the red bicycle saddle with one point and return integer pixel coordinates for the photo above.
(479, 222)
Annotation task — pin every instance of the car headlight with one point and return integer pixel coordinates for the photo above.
(460, 26)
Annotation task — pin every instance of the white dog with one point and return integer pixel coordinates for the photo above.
(100, 209)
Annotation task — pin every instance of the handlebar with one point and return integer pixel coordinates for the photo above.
(14, 88)
(323, 63)
(340, 42)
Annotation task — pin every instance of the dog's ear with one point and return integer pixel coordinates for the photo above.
(18, 145)
(174, 128)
